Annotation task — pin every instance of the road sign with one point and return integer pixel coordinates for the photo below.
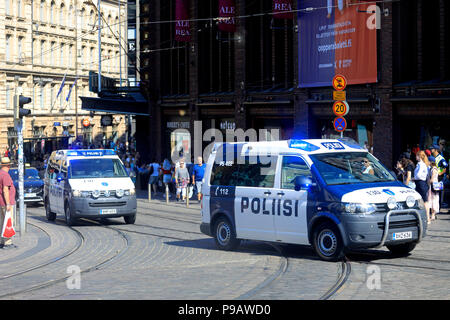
(340, 124)
(341, 108)
(339, 82)
(339, 96)
(86, 122)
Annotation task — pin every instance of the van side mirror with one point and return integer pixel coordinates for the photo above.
(59, 177)
(303, 183)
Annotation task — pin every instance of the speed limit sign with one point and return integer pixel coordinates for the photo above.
(341, 108)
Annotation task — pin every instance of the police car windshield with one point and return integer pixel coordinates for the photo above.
(350, 167)
(96, 168)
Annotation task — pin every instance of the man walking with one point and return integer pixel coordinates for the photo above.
(442, 166)
(197, 176)
(7, 197)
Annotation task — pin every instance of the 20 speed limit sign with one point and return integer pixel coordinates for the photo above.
(341, 108)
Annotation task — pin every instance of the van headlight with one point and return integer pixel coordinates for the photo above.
(95, 194)
(354, 208)
(120, 193)
(130, 192)
(76, 193)
(410, 201)
(392, 203)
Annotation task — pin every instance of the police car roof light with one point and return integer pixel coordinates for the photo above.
(91, 152)
(303, 145)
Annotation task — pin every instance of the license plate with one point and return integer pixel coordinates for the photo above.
(402, 235)
(30, 195)
(108, 211)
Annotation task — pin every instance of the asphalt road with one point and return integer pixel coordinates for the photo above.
(164, 256)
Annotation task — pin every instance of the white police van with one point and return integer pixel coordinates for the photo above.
(330, 194)
(88, 183)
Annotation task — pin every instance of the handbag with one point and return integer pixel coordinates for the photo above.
(437, 186)
(8, 229)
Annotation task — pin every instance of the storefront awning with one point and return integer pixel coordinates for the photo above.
(115, 106)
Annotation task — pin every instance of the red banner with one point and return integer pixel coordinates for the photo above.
(227, 13)
(182, 25)
(282, 9)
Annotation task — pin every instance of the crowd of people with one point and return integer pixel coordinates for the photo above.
(426, 171)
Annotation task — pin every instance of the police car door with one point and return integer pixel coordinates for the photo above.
(53, 186)
(291, 205)
(255, 199)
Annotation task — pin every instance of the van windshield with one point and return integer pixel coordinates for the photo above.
(350, 167)
(96, 168)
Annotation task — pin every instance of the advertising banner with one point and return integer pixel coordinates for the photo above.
(227, 12)
(336, 38)
(282, 9)
(182, 25)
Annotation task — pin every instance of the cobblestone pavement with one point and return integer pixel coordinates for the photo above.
(164, 256)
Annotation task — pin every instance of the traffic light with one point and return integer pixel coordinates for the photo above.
(19, 110)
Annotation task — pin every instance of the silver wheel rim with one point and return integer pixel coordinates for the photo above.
(223, 233)
(327, 242)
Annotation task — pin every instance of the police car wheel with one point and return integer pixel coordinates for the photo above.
(225, 236)
(70, 220)
(328, 242)
(402, 249)
(130, 219)
(51, 216)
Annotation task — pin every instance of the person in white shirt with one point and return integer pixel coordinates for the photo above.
(420, 178)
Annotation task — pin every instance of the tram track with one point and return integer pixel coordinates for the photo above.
(52, 282)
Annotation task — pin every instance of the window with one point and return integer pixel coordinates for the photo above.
(8, 98)
(41, 10)
(19, 49)
(96, 168)
(19, 8)
(8, 48)
(70, 62)
(292, 167)
(244, 171)
(52, 12)
(7, 8)
(52, 49)
(42, 52)
(41, 97)
(61, 55)
(53, 169)
(61, 15)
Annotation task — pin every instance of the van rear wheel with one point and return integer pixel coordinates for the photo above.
(51, 216)
(224, 235)
(327, 242)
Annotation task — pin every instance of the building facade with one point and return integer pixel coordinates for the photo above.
(47, 49)
(251, 78)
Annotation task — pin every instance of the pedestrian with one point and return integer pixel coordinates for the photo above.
(421, 177)
(166, 173)
(442, 166)
(197, 176)
(434, 194)
(406, 167)
(182, 180)
(154, 175)
(7, 197)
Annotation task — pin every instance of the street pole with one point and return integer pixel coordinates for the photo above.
(120, 49)
(19, 128)
(99, 47)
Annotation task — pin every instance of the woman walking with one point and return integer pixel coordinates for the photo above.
(421, 177)
(182, 180)
(434, 195)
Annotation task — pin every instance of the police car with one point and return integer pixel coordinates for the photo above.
(330, 194)
(90, 184)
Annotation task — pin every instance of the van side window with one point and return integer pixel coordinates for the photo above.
(246, 171)
(53, 169)
(292, 167)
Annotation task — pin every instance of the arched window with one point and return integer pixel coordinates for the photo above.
(62, 19)
(41, 11)
(83, 12)
(52, 13)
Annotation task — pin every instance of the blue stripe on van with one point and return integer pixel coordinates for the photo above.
(339, 190)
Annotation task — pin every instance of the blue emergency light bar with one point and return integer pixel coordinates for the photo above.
(302, 145)
(91, 153)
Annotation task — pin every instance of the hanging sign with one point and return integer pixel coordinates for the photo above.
(227, 13)
(182, 25)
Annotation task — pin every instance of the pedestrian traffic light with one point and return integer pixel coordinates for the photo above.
(19, 110)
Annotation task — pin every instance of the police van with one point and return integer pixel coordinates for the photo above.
(90, 184)
(330, 194)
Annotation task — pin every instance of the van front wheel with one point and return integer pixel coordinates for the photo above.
(328, 242)
(224, 235)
